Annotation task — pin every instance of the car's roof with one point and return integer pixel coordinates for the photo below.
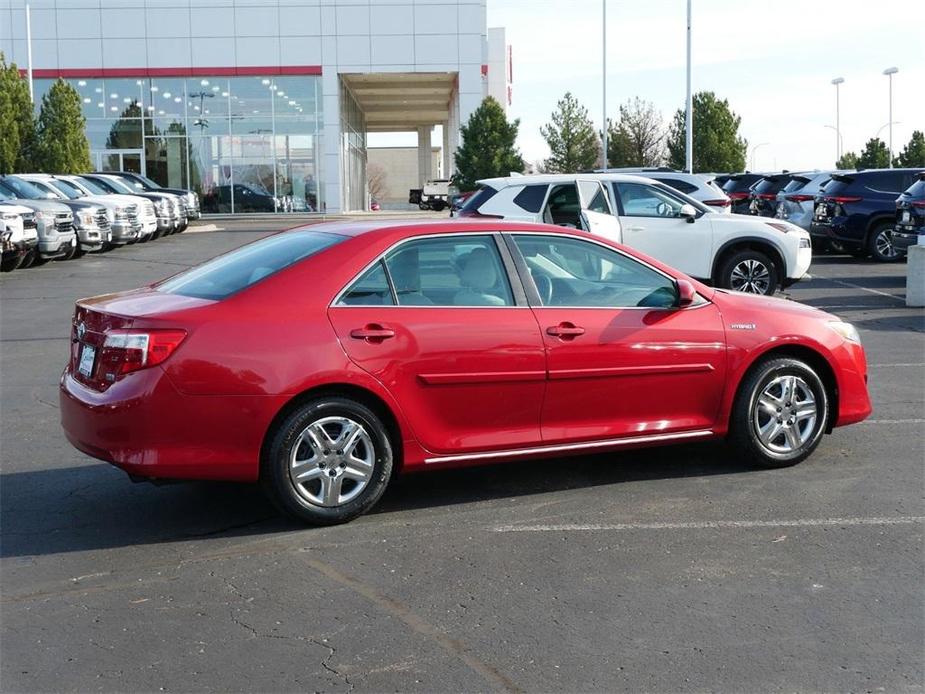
(505, 181)
(414, 227)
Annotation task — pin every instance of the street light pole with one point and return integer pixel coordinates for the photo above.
(838, 81)
(689, 116)
(755, 149)
(29, 52)
(838, 140)
(604, 40)
(889, 72)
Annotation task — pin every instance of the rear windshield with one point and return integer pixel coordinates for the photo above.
(479, 198)
(836, 184)
(239, 269)
(795, 184)
(737, 183)
(771, 184)
(916, 190)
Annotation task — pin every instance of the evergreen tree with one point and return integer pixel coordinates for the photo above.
(716, 142)
(848, 160)
(914, 153)
(488, 146)
(573, 141)
(636, 139)
(17, 122)
(875, 155)
(62, 145)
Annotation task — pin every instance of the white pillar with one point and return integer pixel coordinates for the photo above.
(425, 157)
(915, 276)
(447, 155)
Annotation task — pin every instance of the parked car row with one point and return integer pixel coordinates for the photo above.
(874, 212)
(59, 217)
(740, 252)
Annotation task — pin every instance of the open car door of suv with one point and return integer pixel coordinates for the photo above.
(596, 214)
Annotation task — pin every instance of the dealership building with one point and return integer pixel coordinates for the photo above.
(262, 104)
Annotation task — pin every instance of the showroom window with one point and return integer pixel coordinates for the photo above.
(245, 144)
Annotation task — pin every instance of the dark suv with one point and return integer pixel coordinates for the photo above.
(858, 211)
(910, 216)
(737, 187)
(762, 199)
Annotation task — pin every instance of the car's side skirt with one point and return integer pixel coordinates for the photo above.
(566, 447)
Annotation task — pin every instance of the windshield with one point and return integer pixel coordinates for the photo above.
(23, 189)
(145, 182)
(94, 187)
(239, 269)
(118, 185)
(67, 188)
(5, 194)
(47, 190)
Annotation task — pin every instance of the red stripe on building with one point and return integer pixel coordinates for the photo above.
(114, 72)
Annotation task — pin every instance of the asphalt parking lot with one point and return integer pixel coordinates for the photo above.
(675, 569)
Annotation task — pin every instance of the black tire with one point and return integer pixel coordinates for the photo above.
(749, 271)
(38, 260)
(28, 259)
(9, 264)
(70, 254)
(880, 244)
(748, 414)
(295, 501)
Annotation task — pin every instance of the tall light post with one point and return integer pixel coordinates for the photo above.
(889, 72)
(29, 52)
(689, 116)
(604, 41)
(755, 149)
(838, 81)
(838, 141)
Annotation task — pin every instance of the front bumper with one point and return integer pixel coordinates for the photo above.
(58, 246)
(166, 223)
(124, 231)
(851, 373)
(93, 239)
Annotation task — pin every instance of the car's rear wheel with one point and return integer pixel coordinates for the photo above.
(749, 271)
(328, 462)
(880, 244)
(779, 414)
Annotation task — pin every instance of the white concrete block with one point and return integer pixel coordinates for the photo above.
(119, 52)
(257, 50)
(391, 19)
(436, 48)
(386, 50)
(300, 21)
(256, 21)
(126, 23)
(353, 50)
(300, 50)
(435, 19)
(915, 276)
(352, 20)
(162, 23)
(207, 21)
(78, 53)
(212, 52)
(169, 52)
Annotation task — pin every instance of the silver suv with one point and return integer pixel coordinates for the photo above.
(698, 186)
(795, 200)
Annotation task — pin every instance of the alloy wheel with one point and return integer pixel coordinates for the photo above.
(332, 461)
(884, 245)
(751, 276)
(785, 414)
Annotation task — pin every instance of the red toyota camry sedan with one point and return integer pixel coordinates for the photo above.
(323, 360)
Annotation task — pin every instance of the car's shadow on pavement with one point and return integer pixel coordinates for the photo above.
(94, 506)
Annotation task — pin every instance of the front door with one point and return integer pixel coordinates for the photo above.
(596, 214)
(652, 223)
(622, 359)
(436, 322)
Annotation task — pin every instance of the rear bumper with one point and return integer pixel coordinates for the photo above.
(903, 238)
(141, 424)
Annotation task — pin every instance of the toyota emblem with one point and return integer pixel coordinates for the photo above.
(81, 330)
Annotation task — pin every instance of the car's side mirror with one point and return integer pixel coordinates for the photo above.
(686, 293)
(688, 211)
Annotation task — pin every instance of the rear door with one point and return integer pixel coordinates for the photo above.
(596, 213)
(652, 222)
(440, 324)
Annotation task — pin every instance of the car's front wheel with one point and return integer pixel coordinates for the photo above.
(779, 414)
(328, 462)
(880, 244)
(749, 271)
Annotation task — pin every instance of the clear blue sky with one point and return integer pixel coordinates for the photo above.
(773, 61)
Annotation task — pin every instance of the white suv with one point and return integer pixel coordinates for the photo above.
(749, 254)
(698, 186)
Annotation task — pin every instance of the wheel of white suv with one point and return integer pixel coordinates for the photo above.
(779, 413)
(328, 462)
(749, 271)
(880, 244)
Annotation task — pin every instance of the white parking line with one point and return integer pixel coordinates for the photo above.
(866, 289)
(889, 366)
(710, 525)
(893, 421)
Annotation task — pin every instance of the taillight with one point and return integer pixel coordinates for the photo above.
(800, 198)
(718, 203)
(842, 199)
(478, 215)
(740, 195)
(918, 203)
(767, 196)
(125, 351)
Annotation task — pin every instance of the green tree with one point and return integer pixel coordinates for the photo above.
(637, 138)
(17, 121)
(914, 153)
(848, 160)
(573, 141)
(488, 146)
(62, 145)
(875, 155)
(716, 142)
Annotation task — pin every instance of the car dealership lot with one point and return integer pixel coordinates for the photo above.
(665, 569)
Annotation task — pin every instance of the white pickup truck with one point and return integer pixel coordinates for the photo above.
(435, 195)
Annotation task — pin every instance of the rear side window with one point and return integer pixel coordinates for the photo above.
(531, 198)
(239, 269)
(479, 198)
(679, 185)
(372, 289)
(917, 189)
(885, 181)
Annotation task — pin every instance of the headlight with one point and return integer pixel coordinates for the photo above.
(86, 219)
(804, 243)
(846, 330)
(110, 214)
(39, 215)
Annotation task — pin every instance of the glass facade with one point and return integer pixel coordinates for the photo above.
(353, 144)
(245, 144)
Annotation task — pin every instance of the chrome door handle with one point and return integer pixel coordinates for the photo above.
(565, 330)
